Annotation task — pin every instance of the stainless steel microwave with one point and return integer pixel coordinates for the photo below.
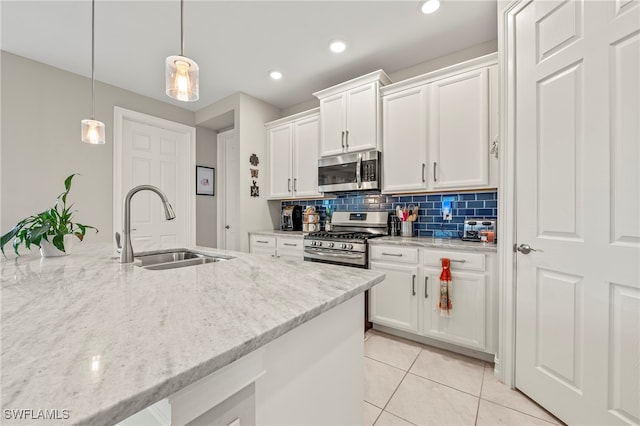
(349, 172)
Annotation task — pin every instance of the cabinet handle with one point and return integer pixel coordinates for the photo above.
(435, 179)
(289, 244)
(343, 139)
(392, 254)
(455, 260)
(289, 185)
(295, 184)
(262, 241)
(413, 285)
(347, 138)
(424, 166)
(426, 287)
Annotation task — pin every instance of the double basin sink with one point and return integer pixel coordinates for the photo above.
(175, 258)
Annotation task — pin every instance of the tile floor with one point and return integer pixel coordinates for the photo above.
(407, 383)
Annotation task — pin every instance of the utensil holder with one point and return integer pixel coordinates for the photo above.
(406, 229)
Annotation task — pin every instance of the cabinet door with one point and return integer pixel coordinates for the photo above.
(394, 301)
(280, 140)
(332, 125)
(362, 118)
(459, 131)
(305, 157)
(404, 140)
(290, 248)
(466, 325)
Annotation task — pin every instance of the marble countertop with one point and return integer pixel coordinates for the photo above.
(102, 340)
(428, 242)
(278, 232)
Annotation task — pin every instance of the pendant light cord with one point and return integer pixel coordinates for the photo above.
(93, 76)
(181, 27)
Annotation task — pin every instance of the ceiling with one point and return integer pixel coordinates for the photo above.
(236, 43)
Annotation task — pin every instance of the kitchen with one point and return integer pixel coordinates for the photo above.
(31, 89)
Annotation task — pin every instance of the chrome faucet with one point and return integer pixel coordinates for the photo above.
(126, 256)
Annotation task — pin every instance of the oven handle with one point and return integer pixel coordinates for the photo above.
(340, 255)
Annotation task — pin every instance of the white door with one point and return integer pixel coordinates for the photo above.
(280, 140)
(577, 139)
(147, 154)
(361, 130)
(227, 191)
(332, 125)
(305, 157)
(459, 131)
(394, 301)
(404, 139)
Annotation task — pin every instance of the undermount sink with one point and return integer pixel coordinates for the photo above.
(174, 258)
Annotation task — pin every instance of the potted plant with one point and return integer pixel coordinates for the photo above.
(48, 229)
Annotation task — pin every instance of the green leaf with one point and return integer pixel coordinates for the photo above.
(67, 187)
(58, 241)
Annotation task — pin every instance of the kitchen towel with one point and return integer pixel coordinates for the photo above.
(445, 303)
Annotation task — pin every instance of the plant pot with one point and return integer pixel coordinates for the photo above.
(47, 249)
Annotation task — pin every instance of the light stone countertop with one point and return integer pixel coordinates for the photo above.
(428, 242)
(103, 340)
(278, 232)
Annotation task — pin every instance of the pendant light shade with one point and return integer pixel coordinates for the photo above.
(92, 131)
(182, 74)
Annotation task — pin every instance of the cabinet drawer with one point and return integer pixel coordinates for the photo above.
(396, 254)
(285, 243)
(459, 260)
(265, 241)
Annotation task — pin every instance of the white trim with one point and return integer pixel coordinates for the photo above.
(291, 118)
(505, 370)
(378, 75)
(121, 114)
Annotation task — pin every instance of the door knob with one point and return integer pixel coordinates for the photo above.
(227, 227)
(524, 248)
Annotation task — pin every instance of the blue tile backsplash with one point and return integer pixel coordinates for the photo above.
(482, 205)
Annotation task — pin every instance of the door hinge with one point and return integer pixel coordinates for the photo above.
(495, 146)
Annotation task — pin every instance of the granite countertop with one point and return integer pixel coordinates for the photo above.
(428, 242)
(278, 232)
(102, 340)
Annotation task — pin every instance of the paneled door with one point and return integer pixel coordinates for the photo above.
(577, 139)
(151, 151)
(228, 189)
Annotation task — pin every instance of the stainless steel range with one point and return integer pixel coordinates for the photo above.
(346, 244)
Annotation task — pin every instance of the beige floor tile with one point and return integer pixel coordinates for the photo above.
(494, 391)
(371, 413)
(391, 351)
(448, 368)
(388, 419)
(493, 414)
(380, 381)
(425, 402)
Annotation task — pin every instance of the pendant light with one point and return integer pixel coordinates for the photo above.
(181, 73)
(93, 130)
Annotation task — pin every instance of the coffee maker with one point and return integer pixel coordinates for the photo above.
(291, 219)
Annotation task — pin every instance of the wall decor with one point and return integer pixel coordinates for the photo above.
(254, 160)
(205, 180)
(254, 173)
(255, 190)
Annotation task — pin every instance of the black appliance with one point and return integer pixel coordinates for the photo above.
(291, 218)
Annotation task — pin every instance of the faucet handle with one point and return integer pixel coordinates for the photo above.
(118, 245)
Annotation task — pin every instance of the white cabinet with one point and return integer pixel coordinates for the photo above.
(276, 246)
(437, 129)
(293, 156)
(407, 299)
(350, 115)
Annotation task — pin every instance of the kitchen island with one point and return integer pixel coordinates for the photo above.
(94, 341)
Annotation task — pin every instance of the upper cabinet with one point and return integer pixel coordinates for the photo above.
(293, 156)
(350, 115)
(438, 129)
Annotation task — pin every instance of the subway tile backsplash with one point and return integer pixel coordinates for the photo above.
(465, 205)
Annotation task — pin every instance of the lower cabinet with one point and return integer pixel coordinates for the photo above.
(408, 298)
(276, 246)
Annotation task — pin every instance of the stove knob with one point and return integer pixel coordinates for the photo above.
(350, 246)
(330, 244)
(313, 243)
(343, 246)
(319, 243)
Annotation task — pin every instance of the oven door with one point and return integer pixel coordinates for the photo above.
(349, 172)
(336, 257)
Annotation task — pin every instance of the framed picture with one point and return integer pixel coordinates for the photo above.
(205, 180)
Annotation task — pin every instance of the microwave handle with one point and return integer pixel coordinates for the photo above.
(359, 171)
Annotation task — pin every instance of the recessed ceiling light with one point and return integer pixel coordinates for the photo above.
(276, 75)
(337, 46)
(429, 6)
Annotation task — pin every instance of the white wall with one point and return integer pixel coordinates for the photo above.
(42, 107)
(206, 206)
